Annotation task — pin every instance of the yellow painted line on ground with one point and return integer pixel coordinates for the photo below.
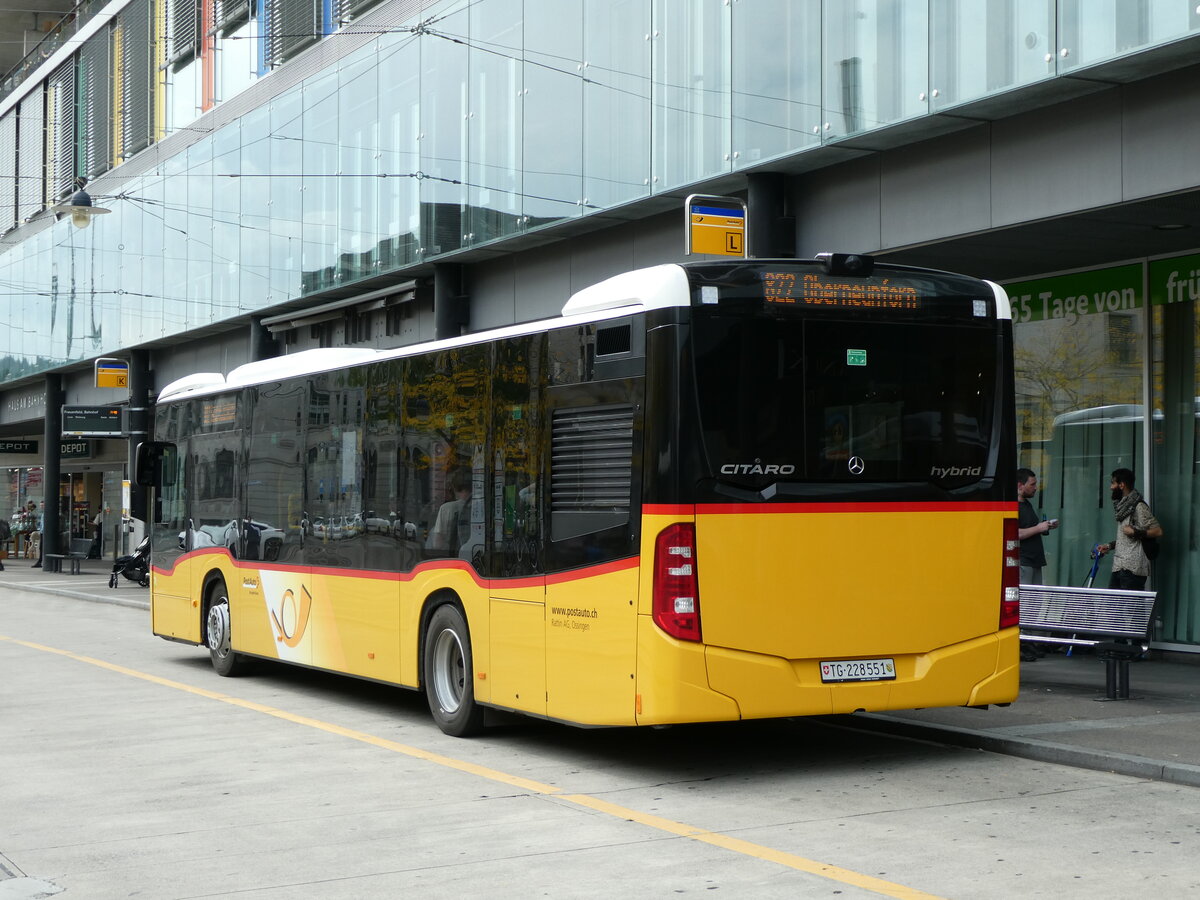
(679, 829)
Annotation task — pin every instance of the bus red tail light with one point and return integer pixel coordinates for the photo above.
(1010, 580)
(676, 587)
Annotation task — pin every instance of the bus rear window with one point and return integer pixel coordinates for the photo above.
(844, 401)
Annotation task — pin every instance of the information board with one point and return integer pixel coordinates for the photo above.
(92, 421)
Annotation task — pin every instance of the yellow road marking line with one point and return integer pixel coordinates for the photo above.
(679, 829)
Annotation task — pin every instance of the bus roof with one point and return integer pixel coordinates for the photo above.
(626, 294)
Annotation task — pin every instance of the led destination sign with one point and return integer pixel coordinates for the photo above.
(815, 289)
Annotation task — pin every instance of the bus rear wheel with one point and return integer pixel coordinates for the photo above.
(449, 687)
(217, 634)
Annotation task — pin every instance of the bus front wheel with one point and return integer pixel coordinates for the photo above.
(217, 634)
(449, 687)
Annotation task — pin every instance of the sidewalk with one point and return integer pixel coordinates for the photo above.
(1057, 718)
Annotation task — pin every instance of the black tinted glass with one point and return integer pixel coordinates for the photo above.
(823, 400)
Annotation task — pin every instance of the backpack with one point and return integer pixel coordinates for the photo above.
(1150, 545)
(5, 530)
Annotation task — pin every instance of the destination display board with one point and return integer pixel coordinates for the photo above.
(818, 289)
(92, 421)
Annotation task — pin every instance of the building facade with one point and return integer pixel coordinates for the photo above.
(284, 175)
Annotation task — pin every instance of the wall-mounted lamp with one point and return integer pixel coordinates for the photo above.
(79, 207)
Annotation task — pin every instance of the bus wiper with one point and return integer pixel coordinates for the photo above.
(746, 495)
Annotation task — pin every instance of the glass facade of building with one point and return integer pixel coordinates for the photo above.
(444, 127)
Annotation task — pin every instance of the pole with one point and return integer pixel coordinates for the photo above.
(51, 468)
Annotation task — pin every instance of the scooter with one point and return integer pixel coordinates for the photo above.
(135, 566)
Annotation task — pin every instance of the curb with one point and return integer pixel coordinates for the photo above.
(114, 600)
(1029, 748)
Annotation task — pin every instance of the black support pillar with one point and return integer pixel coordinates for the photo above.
(772, 233)
(262, 343)
(139, 417)
(51, 469)
(451, 313)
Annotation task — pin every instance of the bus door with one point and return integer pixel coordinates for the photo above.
(171, 606)
(512, 528)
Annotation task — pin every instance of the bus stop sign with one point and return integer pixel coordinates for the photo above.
(715, 225)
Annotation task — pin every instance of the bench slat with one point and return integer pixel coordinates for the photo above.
(1087, 611)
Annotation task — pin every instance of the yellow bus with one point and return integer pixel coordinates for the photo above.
(707, 492)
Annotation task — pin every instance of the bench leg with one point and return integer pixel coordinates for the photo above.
(1116, 678)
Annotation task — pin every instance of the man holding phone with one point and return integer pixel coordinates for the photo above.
(1030, 528)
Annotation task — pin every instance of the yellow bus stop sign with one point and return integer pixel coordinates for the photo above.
(716, 225)
(112, 373)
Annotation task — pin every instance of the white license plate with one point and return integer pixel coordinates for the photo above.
(859, 670)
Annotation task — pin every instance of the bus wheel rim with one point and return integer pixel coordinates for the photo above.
(448, 671)
(218, 629)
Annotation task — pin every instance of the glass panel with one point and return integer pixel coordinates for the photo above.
(1094, 30)
(226, 223)
(334, 444)
(320, 182)
(236, 60)
(777, 87)
(198, 232)
(443, 135)
(915, 407)
(553, 110)
(1078, 343)
(691, 91)
(1174, 293)
(183, 95)
(979, 49)
(173, 238)
(616, 101)
(399, 151)
(517, 425)
(286, 191)
(274, 489)
(146, 283)
(443, 452)
(493, 122)
(358, 165)
(876, 54)
(255, 231)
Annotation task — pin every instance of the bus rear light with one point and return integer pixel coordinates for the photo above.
(1010, 578)
(676, 587)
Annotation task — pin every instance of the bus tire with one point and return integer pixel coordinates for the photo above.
(217, 635)
(449, 687)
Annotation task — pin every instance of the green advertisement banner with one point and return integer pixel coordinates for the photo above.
(1079, 294)
(1175, 280)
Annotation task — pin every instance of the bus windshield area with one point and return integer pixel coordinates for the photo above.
(844, 401)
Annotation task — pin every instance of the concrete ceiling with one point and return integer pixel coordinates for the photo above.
(1155, 227)
(23, 23)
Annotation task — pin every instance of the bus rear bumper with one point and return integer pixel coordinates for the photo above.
(977, 672)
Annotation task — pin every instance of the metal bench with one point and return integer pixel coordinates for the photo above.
(1117, 623)
(80, 548)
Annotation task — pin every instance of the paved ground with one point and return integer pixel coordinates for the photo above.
(1060, 717)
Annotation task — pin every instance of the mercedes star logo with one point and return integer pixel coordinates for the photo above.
(856, 465)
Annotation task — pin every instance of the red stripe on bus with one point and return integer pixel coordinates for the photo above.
(527, 581)
(904, 506)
